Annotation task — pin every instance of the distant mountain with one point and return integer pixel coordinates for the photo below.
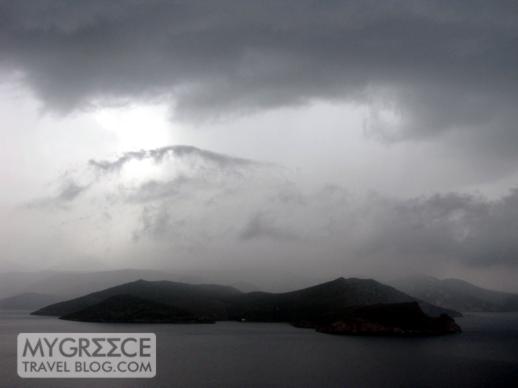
(27, 301)
(215, 303)
(457, 294)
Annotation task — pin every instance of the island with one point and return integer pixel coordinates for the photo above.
(342, 306)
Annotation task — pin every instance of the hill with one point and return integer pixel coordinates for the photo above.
(203, 301)
(311, 302)
(131, 309)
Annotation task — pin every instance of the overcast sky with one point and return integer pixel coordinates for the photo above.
(318, 138)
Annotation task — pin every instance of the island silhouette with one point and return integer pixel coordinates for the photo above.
(342, 306)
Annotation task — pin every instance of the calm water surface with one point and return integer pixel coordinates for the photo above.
(276, 355)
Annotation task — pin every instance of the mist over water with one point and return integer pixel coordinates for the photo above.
(190, 211)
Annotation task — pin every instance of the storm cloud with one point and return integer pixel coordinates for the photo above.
(420, 67)
(370, 138)
(212, 212)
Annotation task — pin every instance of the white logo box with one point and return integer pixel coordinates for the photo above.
(86, 355)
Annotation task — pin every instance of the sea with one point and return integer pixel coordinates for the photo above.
(234, 354)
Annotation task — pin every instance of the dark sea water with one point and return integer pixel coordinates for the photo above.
(277, 355)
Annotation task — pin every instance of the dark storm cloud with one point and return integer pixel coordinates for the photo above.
(464, 228)
(441, 228)
(440, 65)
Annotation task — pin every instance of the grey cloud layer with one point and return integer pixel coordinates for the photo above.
(213, 209)
(465, 228)
(440, 65)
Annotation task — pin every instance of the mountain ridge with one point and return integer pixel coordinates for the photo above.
(457, 294)
(223, 302)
